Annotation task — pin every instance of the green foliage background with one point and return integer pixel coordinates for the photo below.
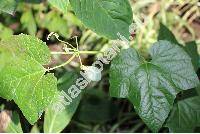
(95, 110)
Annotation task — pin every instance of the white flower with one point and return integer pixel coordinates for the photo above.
(92, 73)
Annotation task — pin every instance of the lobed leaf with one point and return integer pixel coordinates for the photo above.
(152, 86)
(23, 77)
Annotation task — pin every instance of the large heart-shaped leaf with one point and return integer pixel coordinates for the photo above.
(22, 77)
(152, 86)
(105, 17)
(185, 116)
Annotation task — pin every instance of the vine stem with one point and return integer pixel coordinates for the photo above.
(61, 65)
(71, 53)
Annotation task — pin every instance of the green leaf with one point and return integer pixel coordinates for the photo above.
(5, 32)
(23, 77)
(152, 86)
(185, 116)
(8, 6)
(166, 34)
(54, 23)
(60, 4)
(28, 22)
(191, 49)
(4, 56)
(55, 122)
(14, 126)
(198, 90)
(105, 17)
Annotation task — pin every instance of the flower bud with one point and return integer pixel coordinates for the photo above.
(92, 73)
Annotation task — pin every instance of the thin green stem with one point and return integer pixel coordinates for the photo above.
(62, 53)
(71, 53)
(67, 62)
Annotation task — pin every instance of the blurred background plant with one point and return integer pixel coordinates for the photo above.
(98, 112)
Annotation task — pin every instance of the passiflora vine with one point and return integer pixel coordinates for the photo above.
(152, 86)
